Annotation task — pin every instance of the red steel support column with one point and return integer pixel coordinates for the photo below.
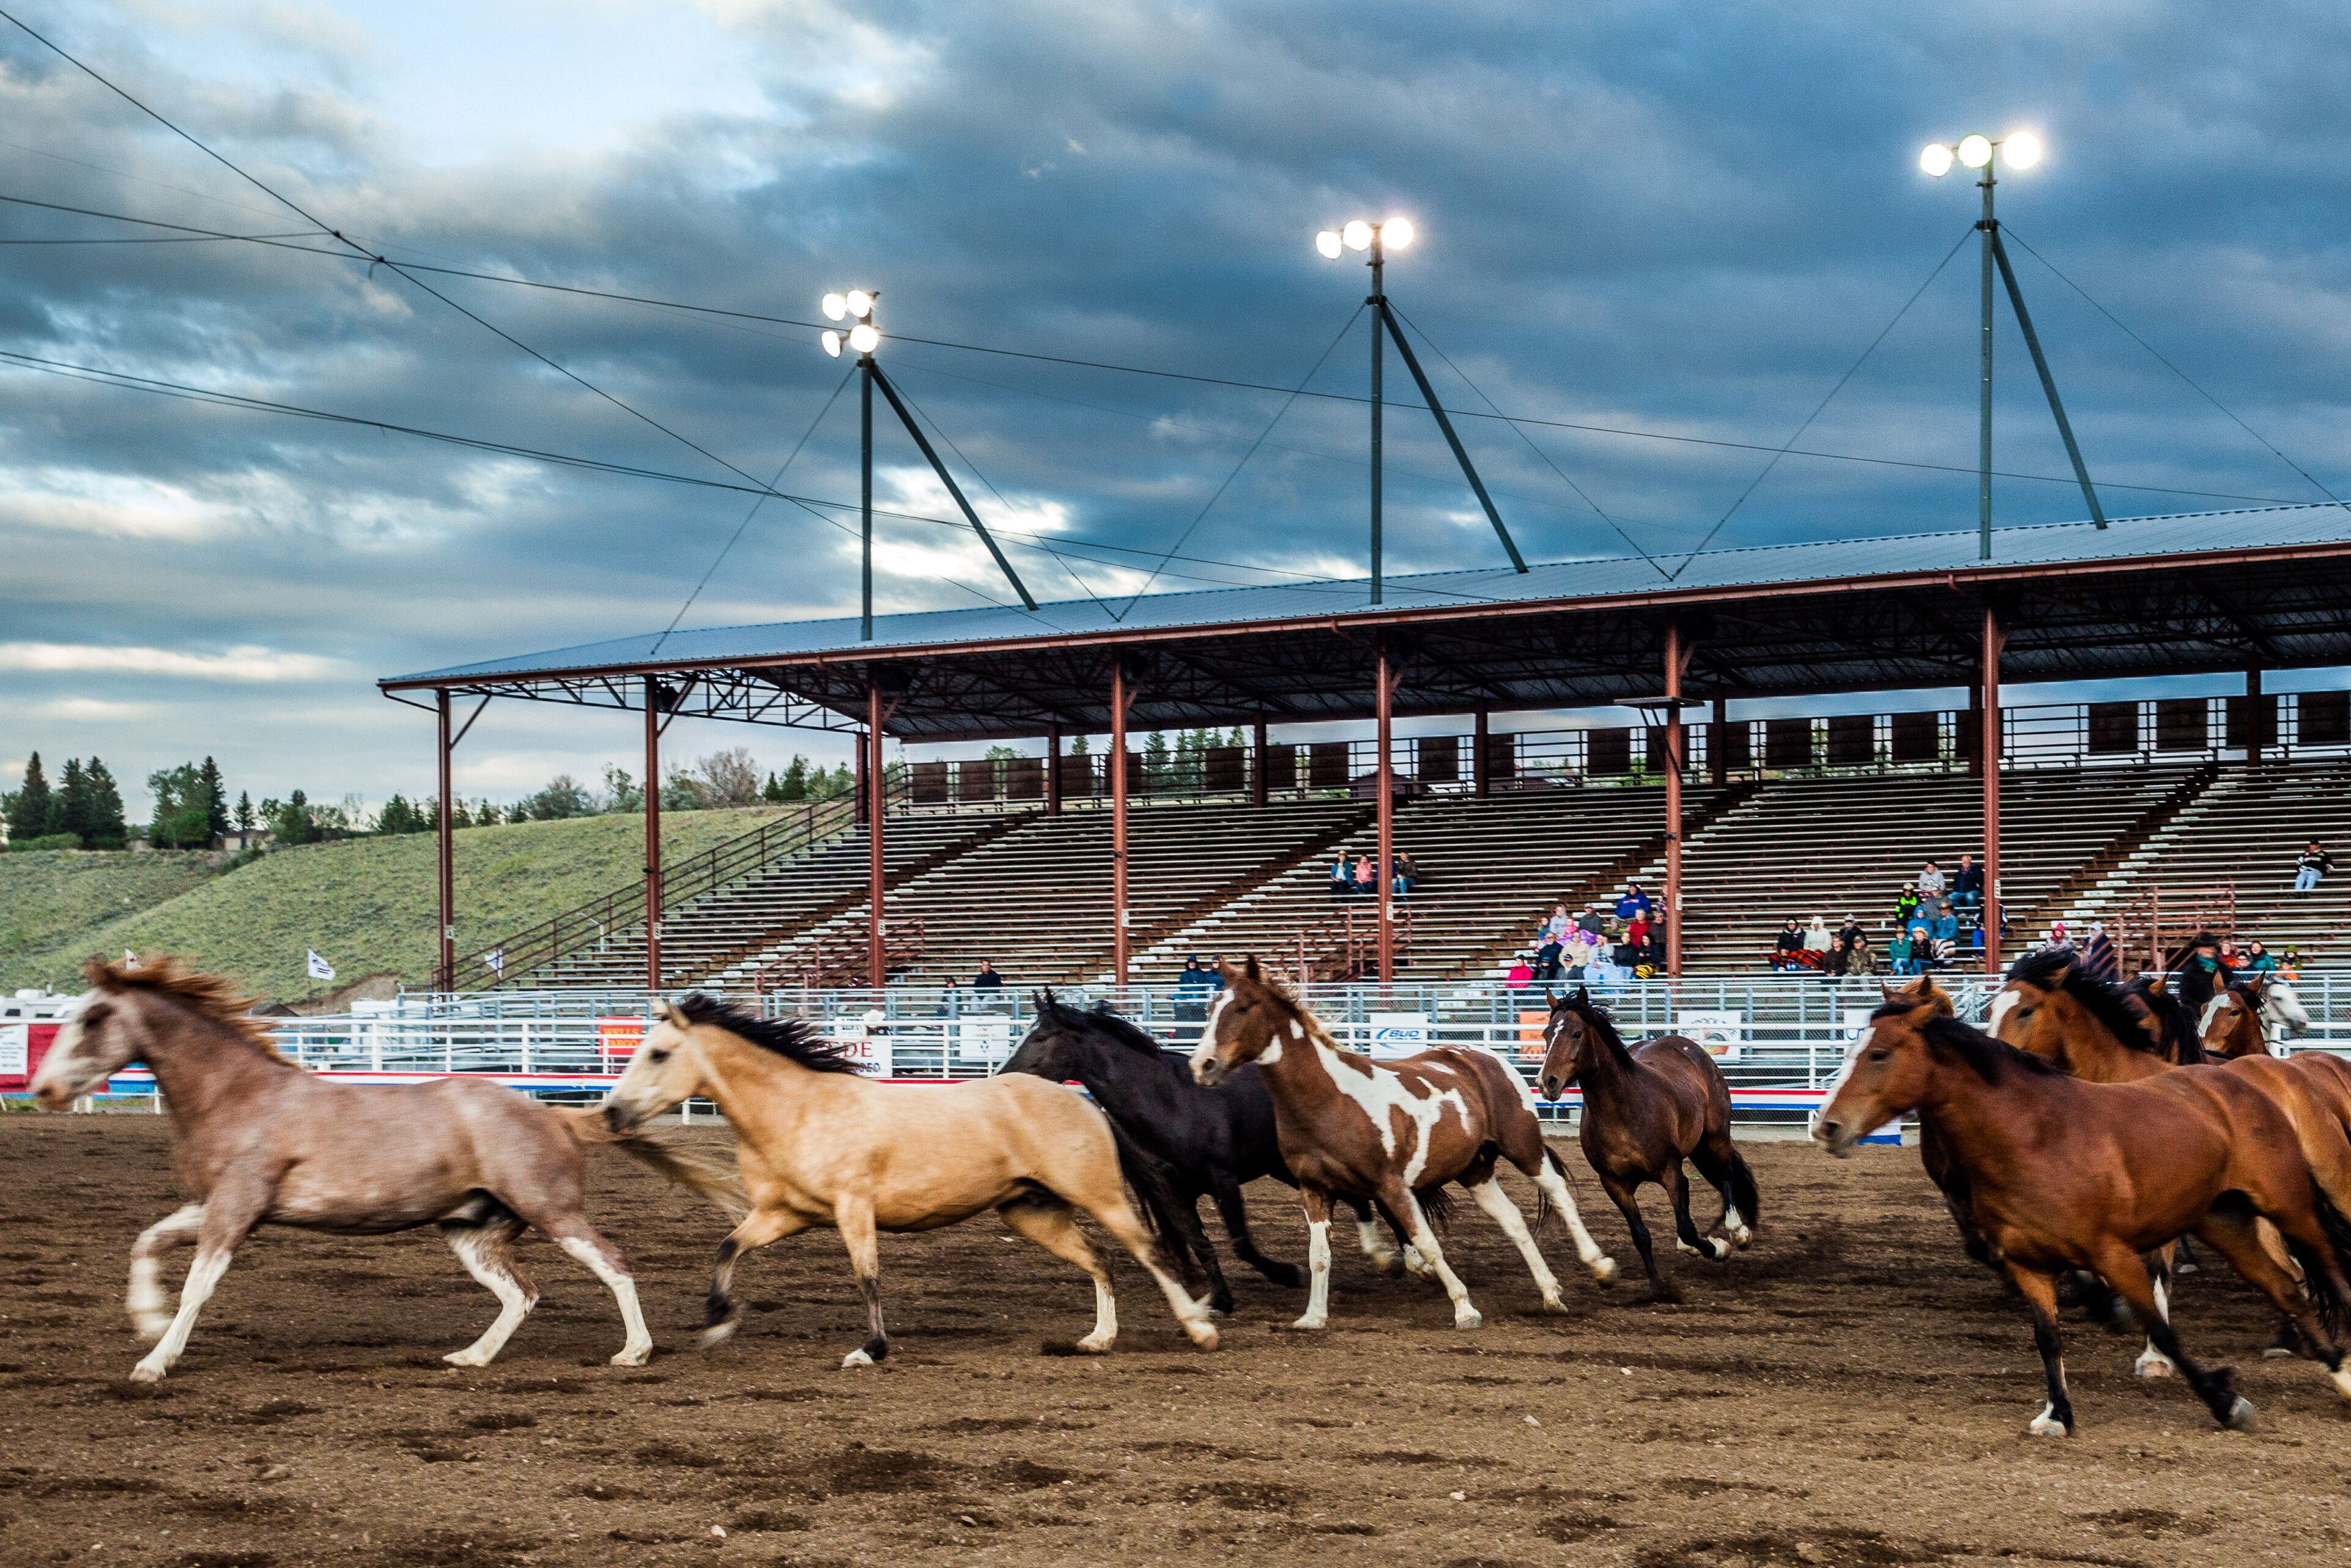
(1385, 777)
(1256, 766)
(1988, 754)
(863, 795)
(653, 836)
(446, 977)
(876, 808)
(1482, 782)
(1053, 772)
(1118, 701)
(1674, 750)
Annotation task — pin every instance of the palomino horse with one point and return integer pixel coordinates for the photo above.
(820, 1145)
(1207, 1142)
(258, 1141)
(1389, 1131)
(2067, 1175)
(1644, 1112)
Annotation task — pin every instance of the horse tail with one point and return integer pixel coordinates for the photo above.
(1154, 1205)
(710, 1174)
(1436, 1206)
(1743, 1196)
(2331, 1308)
(1543, 1198)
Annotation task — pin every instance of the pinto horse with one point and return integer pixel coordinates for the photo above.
(2249, 1017)
(257, 1141)
(1392, 1131)
(1645, 1111)
(2067, 1175)
(1207, 1142)
(820, 1146)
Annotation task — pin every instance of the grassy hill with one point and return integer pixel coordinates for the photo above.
(366, 905)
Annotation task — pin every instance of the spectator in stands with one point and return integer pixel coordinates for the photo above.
(1816, 936)
(1853, 957)
(1215, 971)
(1367, 876)
(1589, 919)
(1922, 948)
(1194, 978)
(1788, 943)
(1968, 884)
(987, 979)
(2259, 960)
(2313, 865)
(1945, 929)
(1192, 988)
(1638, 932)
(2059, 942)
(1406, 873)
(1577, 952)
(1635, 902)
(1555, 927)
(2291, 968)
(2099, 959)
(1521, 977)
(2200, 974)
(1548, 957)
(1850, 933)
(1905, 905)
(1343, 875)
(1898, 952)
(1931, 885)
(948, 997)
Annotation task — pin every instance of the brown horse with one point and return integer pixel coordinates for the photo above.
(1392, 1131)
(258, 1141)
(820, 1146)
(2067, 1175)
(2232, 1024)
(1645, 1111)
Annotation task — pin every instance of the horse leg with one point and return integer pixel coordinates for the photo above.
(1114, 1214)
(2151, 1362)
(2238, 1238)
(230, 1213)
(1550, 1177)
(1628, 1204)
(1317, 1205)
(2129, 1276)
(1234, 1212)
(1676, 1182)
(722, 1312)
(1186, 1212)
(853, 1217)
(2039, 1294)
(1367, 1233)
(585, 1245)
(485, 1247)
(1504, 1213)
(1725, 1170)
(1404, 1206)
(145, 1300)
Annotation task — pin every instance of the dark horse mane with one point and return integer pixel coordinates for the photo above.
(212, 996)
(1596, 1018)
(2111, 1005)
(2184, 1044)
(2044, 966)
(793, 1039)
(1101, 1017)
(1992, 1059)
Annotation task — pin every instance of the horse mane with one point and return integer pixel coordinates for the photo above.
(1595, 1017)
(213, 996)
(1121, 1030)
(2183, 1038)
(2043, 967)
(1992, 1059)
(2111, 1005)
(793, 1039)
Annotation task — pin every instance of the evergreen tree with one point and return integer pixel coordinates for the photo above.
(1155, 761)
(796, 779)
(1078, 748)
(244, 811)
(182, 811)
(294, 823)
(398, 816)
(72, 813)
(108, 830)
(216, 799)
(30, 807)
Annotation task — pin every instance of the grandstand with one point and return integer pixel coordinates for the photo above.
(2092, 812)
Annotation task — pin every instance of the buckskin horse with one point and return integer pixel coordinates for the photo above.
(1393, 1131)
(257, 1141)
(820, 1145)
(2068, 1175)
(1645, 1111)
(1207, 1142)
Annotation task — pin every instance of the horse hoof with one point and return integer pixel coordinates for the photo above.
(1468, 1318)
(1682, 1246)
(2045, 1426)
(2153, 1364)
(2278, 1353)
(147, 1372)
(716, 1334)
(1742, 1238)
(465, 1358)
(1552, 1304)
(633, 1356)
(1310, 1321)
(1604, 1271)
(859, 1358)
(1721, 1247)
(2240, 1415)
(1204, 1335)
(2341, 1379)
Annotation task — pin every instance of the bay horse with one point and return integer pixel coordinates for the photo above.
(2068, 1175)
(2252, 1016)
(1209, 1143)
(1645, 1111)
(1393, 1131)
(257, 1141)
(820, 1146)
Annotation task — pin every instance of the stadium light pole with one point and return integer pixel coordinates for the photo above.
(861, 338)
(1359, 234)
(2019, 149)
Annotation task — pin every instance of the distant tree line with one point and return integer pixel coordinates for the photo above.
(84, 810)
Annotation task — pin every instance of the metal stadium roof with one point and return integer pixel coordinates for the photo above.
(2159, 595)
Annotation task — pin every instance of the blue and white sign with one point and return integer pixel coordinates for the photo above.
(1391, 1035)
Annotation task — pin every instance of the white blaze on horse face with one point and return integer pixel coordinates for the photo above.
(57, 1069)
(1837, 1083)
(1205, 1051)
(2002, 1006)
(2212, 1010)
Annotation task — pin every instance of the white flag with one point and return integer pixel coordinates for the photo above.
(319, 968)
(496, 959)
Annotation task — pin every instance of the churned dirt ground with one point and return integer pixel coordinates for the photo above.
(1851, 1392)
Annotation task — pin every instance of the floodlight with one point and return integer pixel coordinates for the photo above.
(1327, 243)
(832, 341)
(2021, 150)
(1357, 235)
(860, 304)
(1935, 160)
(1975, 151)
(835, 306)
(865, 338)
(1396, 233)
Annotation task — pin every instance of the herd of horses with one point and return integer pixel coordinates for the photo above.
(2085, 1135)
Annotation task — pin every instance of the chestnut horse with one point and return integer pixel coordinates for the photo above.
(1645, 1111)
(2067, 1175)
(2249, 1017)
(820, 1146)
(1392, 1131)
(257, 1141)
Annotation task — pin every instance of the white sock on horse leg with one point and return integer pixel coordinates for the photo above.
(1318, 1270)
(203, 1276)
(637, 1348)
(1554, 1187)
(1504, 1213)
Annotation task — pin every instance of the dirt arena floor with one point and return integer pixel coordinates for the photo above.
(1851, 1392)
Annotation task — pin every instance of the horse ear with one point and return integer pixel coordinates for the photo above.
(2159, 985)
(1248, 967)
(1582, 996)
(1552, 997)
(659, 1010)
(1885, 991)
(1046, 1005)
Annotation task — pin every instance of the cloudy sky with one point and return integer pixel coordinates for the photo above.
(1683, 220)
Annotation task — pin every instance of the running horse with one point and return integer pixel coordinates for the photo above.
(1392, 1131)
(257, 1141)
(820, 1145)
(1645, 1111)
(2252, 1016)
(2068, 1175)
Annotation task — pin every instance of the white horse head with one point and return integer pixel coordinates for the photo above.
(2282, 1016)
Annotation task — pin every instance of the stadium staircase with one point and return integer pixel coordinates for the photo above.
(1035, 902)
(2246, 829)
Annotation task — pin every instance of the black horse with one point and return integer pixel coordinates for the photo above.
(1206, 1141)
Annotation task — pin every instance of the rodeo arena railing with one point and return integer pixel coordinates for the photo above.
(1781, 1042)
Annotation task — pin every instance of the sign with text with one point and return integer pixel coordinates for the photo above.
(1723, 1034)
(1391, 1035)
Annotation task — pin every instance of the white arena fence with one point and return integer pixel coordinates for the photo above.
(1781, 1042)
